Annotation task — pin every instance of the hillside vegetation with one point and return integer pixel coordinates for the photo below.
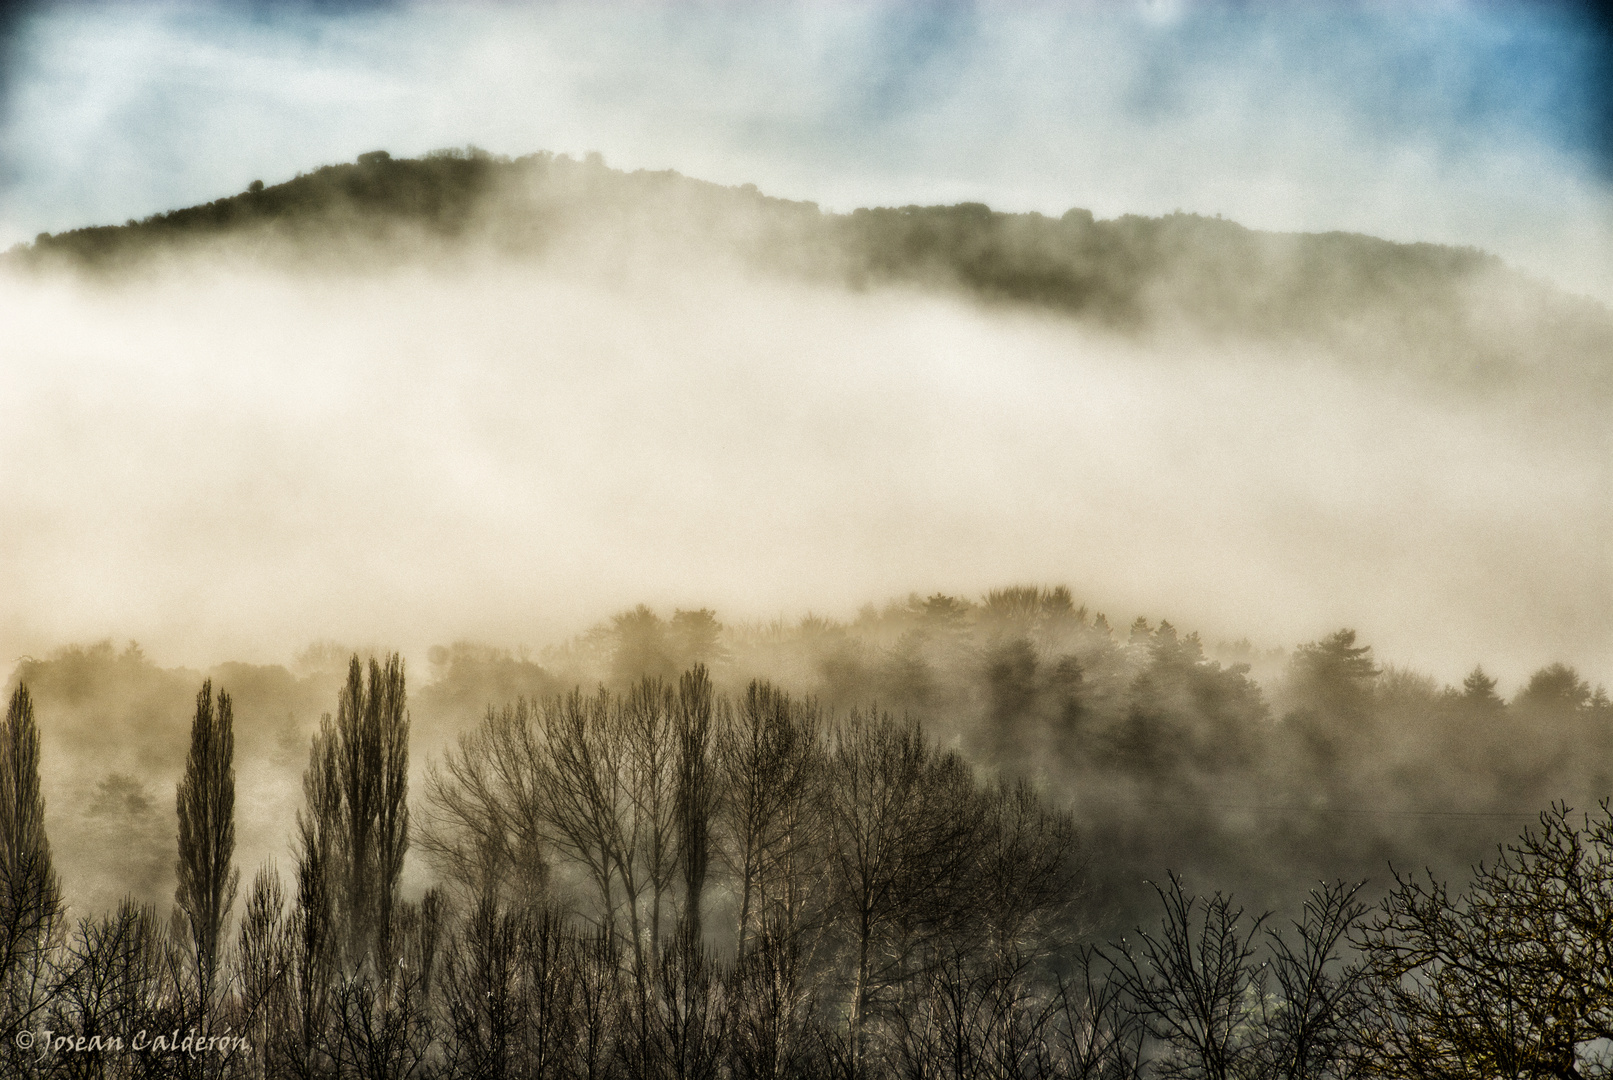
(908, 845)
(1457, 311)
(1252, 771)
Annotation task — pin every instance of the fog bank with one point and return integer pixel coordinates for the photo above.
(228, 463)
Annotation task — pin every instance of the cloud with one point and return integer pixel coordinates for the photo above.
(229, 465)
(297, 456)
(1455, 122)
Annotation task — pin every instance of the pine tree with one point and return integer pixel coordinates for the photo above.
(1479, 689)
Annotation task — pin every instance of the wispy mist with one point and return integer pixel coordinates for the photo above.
(228, 463)
(1050, 549)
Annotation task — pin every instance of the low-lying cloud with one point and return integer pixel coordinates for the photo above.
(228, 463)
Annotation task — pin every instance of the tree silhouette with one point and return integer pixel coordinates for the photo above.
(1512, 978)
(206, 809)
(1196, 985)
(30, 894)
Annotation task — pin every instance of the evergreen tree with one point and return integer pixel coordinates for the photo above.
(1479, 689)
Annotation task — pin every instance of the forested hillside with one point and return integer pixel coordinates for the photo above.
(1327, 762)
(914, 841)
(1456, 312)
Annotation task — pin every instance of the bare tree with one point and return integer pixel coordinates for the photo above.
(383, 1024)
(118, 977)
(981, 1003)
(508, 984)
(1196, 986)
(963, 1018)
(902, 817)
(582, 785)
(206, 808)
(1514, 978)
(610, 788)
(1310, 1031)
(1096, 1033)
(599, 996)
(685, 1026)
(771, 1006)
(483, 997)
(484, 829)
(263, 952)
(648, 862)
(770, 768)
(1027, 875)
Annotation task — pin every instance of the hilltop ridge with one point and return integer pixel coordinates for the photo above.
(1460, 310)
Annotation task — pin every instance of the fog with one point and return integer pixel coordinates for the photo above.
(227, 461)
(1198, 534)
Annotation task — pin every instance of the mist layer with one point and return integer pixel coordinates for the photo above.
(227, 463)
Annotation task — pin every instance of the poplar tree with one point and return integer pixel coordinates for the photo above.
(30, 893)
(356, 826)
(206, 804)
(696, 793)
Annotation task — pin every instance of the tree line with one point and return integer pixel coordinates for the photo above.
(1249, 770)
(1255, 771)
(660, 879)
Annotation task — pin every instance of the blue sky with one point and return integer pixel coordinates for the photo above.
(1480, 123)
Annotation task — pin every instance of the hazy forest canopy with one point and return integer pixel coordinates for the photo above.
(1253, 771)
(915, 840)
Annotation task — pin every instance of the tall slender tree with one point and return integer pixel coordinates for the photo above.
(359, 992)
(30, 893)
(206, 804)
(696, 793)
(299, 1049)
(769, 772)
(356, 825)
(903, 819)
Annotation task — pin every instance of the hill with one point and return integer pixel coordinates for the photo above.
(1457, 312)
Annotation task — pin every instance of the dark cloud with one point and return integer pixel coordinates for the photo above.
(12, 12)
